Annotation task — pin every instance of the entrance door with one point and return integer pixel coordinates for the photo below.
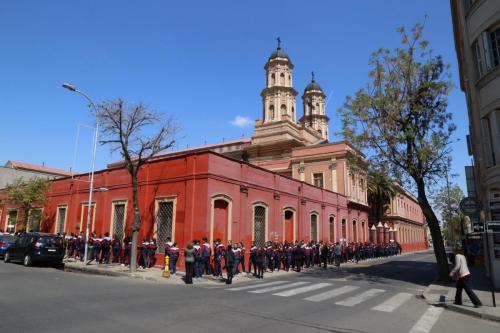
(221, 215)
(288, 226)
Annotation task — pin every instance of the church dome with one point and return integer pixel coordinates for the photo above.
(313, 85)
(279, 53)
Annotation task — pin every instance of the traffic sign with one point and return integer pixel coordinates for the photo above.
(470, 206)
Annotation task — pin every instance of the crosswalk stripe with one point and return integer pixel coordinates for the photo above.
(360, 298)
(331, 294)
(427, 321)
(258, 285)
(392, 303)
(305, 289)
(286, 286)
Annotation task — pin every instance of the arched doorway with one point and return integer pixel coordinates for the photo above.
(220, 226)
(288, 234)
(314, 227)
(331, 228)
(354, 231)
(344, 230)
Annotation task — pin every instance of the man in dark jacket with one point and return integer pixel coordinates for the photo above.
(229, 264)
(298, 254)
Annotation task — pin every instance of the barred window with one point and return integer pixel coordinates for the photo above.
(495, 46)
(61, 219)
(314, 227)
(34, 220)
(164, 223)
(119, 221)
(12, 221)
(259, 225)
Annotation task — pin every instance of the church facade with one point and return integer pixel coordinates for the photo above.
(285, 183)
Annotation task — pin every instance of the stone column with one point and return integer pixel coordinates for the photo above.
(373, 234)
(380, 230)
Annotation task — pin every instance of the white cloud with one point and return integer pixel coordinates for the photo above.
(241, 121)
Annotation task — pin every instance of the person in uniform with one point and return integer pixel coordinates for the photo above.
(229, 264)
(116, 248)
(206, 253)
(105, 248)
(173, 256)
(252, 261)
(198, 260)
(218, 254)
(189, 261)
(298, 255)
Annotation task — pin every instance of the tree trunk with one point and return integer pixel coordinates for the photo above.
(136, 226)
(437, 238)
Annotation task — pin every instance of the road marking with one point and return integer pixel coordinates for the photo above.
(305, 289)
(258, 285)
(394, 302)
(427, 321)
(360, 298)
(331, 294)
(286, 286)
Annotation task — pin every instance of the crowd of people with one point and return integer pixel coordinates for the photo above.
(202, 258)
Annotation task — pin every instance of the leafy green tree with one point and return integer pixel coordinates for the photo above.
(28, 194)
(380, 192)
(124, 128)
(400, 119)
(446, 201)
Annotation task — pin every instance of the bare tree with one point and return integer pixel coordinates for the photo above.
(123, 127)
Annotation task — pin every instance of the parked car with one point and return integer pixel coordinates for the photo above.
(6, 240)
(36, 247)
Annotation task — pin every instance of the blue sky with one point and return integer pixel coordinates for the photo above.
(198, 61)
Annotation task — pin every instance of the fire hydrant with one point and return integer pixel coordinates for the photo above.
(166, 272)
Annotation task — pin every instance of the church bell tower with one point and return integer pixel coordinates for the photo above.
(313, 101)
(278, 98)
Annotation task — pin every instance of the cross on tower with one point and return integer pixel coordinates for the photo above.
(312, 76)
(279, 42)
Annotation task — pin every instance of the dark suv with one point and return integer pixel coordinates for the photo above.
(36, 247)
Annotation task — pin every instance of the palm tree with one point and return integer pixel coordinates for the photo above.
(380, 192)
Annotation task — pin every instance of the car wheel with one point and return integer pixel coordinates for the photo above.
(27, 260)
(6, 257)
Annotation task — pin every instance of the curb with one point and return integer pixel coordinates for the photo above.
(460, 309)
(94, 271)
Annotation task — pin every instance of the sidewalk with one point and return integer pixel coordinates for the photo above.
(444, 295)
(155, 274)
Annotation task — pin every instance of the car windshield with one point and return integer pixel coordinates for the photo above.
(7, 238)
(50, 241)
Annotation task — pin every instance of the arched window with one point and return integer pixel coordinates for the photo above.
(282, 79)
(271, 112)
(331, 228)
(259, 224)
(273, 79)
(317, 108)
(293, 113)
(283, 109)
(363, 231)
(314, 227)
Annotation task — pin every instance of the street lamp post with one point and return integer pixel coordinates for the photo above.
(94, 148)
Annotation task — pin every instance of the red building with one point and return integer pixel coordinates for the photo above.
(203, 194)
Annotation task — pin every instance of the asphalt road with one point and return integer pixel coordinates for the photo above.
(371, 297)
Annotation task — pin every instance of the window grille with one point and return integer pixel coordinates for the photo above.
(314, 227)
(164, 223)
(332, 230)
(259, 225)
(119, 221)
(34, 220)
(11, 225)
(61, 219)
(495, 46)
